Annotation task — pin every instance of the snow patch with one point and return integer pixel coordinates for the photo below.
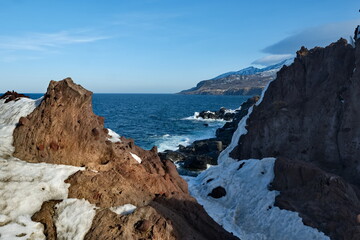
(247, 209)
(124, 209)
(136, 157)
(73, 218)
(114, 137)
(23, 189)
(22, 229)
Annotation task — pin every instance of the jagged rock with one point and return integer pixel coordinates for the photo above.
(64, 130)
(310, 111)
(308, 119)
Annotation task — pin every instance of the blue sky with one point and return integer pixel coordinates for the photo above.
(156, 46)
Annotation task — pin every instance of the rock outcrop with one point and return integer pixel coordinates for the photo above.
(309, 120)
(222, 114)
(64, 130)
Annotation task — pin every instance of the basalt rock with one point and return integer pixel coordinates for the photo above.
(310, 112)
(64, 130)
(223, 114)
(309, 119)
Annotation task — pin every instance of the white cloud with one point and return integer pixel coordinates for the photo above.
(46, 41)
(315, 36)
(272, 59)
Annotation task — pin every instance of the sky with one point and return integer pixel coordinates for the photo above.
(157, 46)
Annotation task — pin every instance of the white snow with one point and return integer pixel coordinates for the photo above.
(25, 186)
(124, 209)
(136, 157)
(114, 137)
(247, 209)
(10, 114)
(73, 218)
(22, 229)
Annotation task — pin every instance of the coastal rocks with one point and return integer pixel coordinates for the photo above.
(201, 153)
(12, 96)
(308, 120)
(64, 130)
(222, 114)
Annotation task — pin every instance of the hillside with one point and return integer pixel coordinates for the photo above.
(247, 81)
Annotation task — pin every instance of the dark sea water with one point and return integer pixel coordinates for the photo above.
(164, 120)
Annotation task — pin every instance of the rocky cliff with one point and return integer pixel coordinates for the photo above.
(115, 176)
(309, 120)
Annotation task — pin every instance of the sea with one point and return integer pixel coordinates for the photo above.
(162, 120)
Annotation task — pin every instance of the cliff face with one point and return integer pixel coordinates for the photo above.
(64, 130)
(310, 112)
(309, 120)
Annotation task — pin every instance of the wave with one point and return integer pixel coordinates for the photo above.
(172, 142)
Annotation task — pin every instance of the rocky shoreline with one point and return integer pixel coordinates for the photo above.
(201, 153)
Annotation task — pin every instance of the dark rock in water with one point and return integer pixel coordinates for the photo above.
(218, 192)
(200, 153)
(222, 114)
(173, 156)
(309, 119)
(12, 96)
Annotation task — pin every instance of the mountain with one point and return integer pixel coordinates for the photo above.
(247, 81)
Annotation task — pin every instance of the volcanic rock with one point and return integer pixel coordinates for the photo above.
(309, 119)
(64, 130)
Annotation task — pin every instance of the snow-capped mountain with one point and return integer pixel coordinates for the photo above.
(247, 81)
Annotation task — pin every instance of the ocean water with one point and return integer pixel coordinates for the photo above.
(163, 120)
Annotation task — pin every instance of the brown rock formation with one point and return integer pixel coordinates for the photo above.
(310, 114)
(64, 130)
